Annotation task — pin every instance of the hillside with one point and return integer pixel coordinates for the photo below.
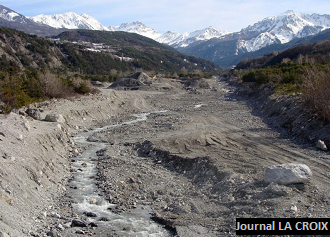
(292, 86)
(35, 69)
(317, 51)
(144, 52)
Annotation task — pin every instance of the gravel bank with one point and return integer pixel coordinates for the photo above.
(197, 162)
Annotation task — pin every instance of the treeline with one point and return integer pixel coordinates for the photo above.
(304, 69)
(33, 69)
(146, 53)
(20, 89)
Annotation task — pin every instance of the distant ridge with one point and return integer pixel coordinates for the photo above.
(222, 47)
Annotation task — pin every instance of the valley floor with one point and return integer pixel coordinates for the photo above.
(197, 161)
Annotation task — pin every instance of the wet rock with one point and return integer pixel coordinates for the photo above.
(105, 219)
(51, 233)
(78, 223)
(288, 174)
(90, 214)
(80, 232)
(92, 224)
(321, 145)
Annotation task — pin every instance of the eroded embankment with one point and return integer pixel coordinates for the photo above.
(35, 160)
(202, 171)
(288, 112)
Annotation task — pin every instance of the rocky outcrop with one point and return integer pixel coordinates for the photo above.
(33, 113)
(136, 80)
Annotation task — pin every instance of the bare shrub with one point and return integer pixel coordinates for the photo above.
(316, 90)
(54, 86)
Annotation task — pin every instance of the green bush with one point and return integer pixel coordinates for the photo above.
(257, 76)
(83, 88)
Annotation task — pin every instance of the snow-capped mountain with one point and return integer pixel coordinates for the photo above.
(272, 30)
(12, 19)
(168, 38)
(259, 38)
(171, 38)
(70, 20)
(9, 15)
(185, 39)
(12, 16)
(209, 43)
(138, 28)
(282, 29)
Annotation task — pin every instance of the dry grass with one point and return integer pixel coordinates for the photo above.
(53, 86)
(316, 91)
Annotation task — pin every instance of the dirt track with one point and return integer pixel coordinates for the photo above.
(200, 163)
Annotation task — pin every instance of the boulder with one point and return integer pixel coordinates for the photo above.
(55, 118)
(290, 173)
(78, 223)
(33, 113)
(321, 145)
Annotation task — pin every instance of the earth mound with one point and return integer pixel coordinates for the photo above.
(139, 79)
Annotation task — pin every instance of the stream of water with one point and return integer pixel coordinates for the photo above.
(88, 199)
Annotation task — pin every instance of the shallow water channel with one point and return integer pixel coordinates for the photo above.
(88, 200)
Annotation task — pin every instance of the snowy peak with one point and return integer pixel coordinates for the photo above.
(138, 28)
(69, 20)
(290, 22)
(168, 38)
(187, 38)
(10, 15)
(283, 28)
(208, 33)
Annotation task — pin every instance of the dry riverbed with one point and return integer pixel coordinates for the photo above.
(196, 162)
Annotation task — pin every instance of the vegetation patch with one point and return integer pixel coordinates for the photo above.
(303, 70)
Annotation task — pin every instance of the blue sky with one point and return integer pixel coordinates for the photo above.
(175, 15)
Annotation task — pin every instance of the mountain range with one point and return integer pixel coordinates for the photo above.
(222, 47)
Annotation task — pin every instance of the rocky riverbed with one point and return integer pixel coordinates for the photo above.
(195, 163)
